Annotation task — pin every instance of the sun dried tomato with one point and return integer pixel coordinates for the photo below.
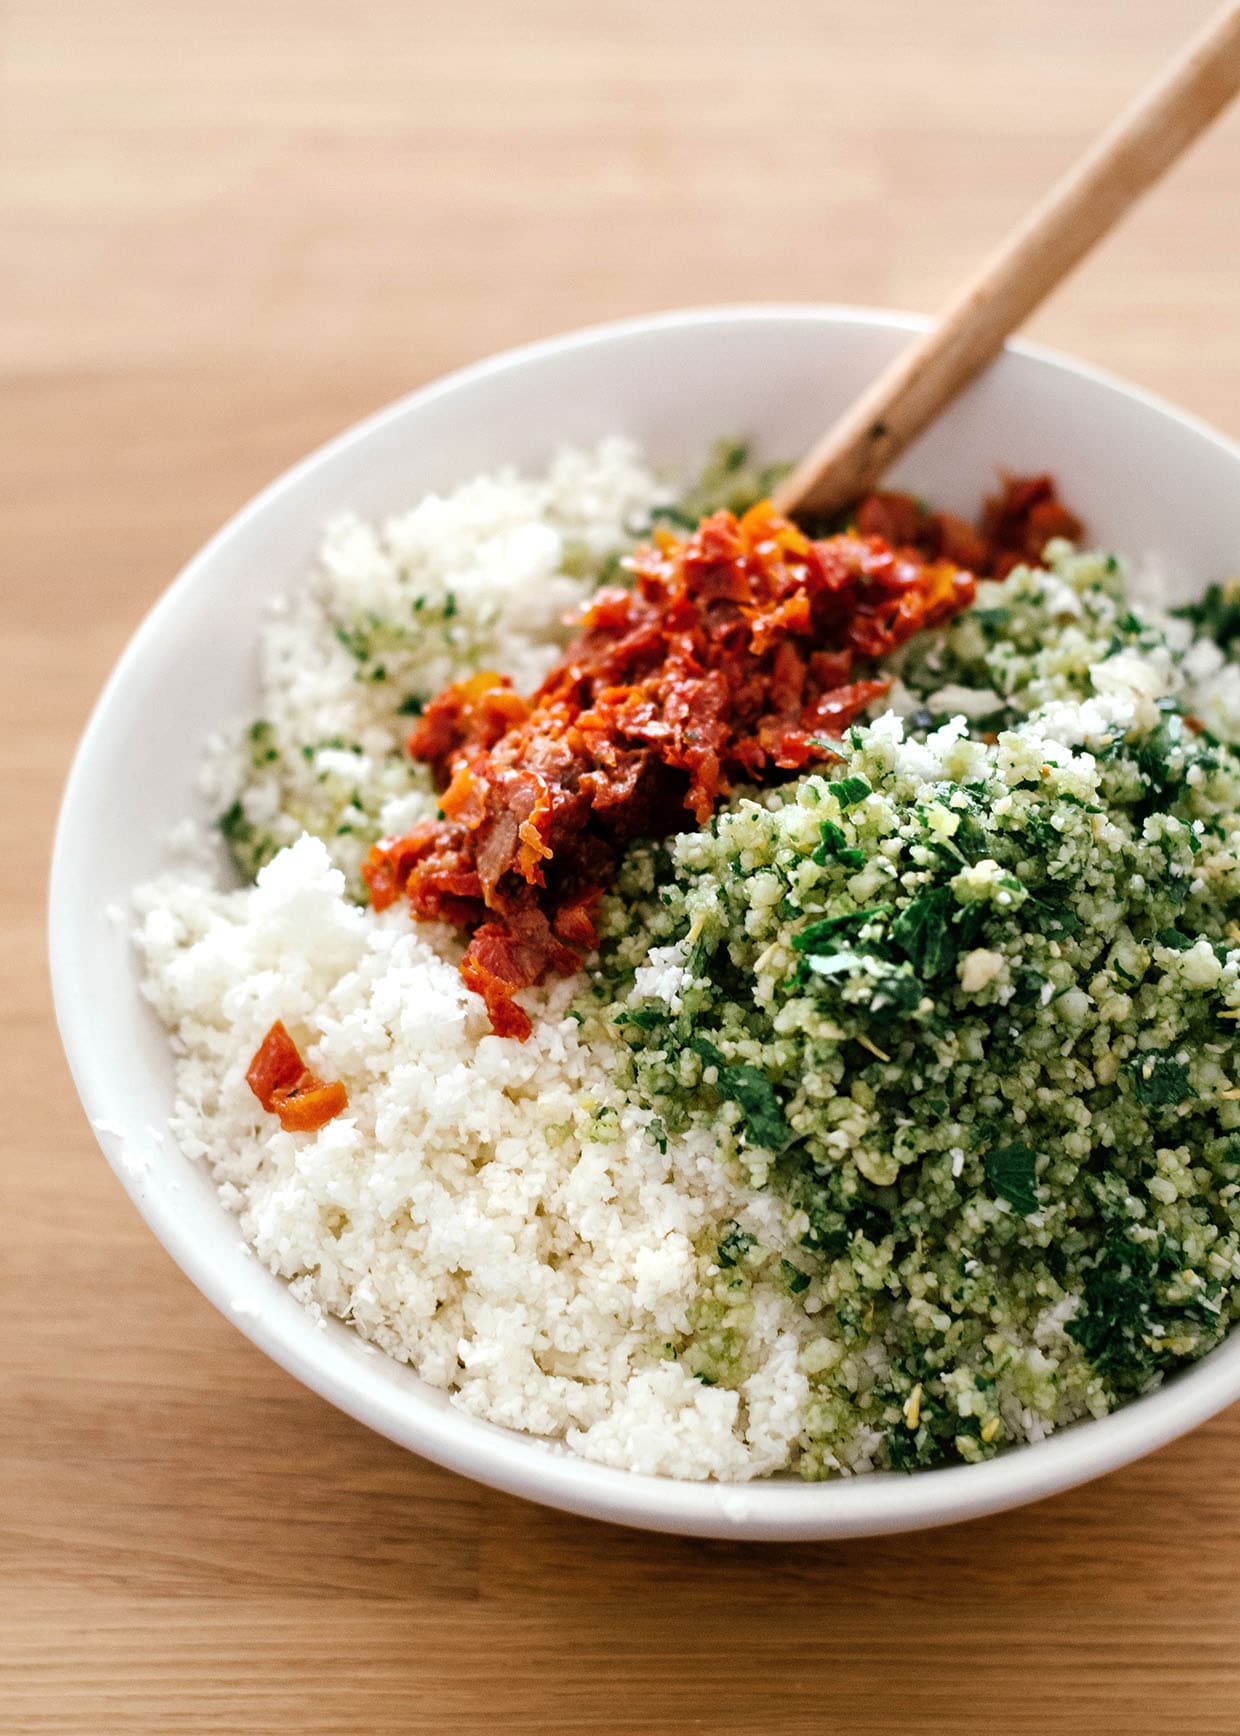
(1017, 524)
(311, 1105)
(277, 1065)
(286, 1087)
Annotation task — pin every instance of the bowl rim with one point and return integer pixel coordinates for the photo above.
(765, 1509)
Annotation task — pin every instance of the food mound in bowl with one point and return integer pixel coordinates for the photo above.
(724, 995)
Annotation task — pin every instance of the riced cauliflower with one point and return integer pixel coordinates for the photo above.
(896, 1120)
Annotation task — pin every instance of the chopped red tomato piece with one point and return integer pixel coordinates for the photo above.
(277, 1066)
(286, 1087)
(311, 1105)
(1017, 524)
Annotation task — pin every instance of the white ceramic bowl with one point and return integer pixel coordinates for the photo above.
(1147, 479)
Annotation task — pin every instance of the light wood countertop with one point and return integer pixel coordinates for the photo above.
(226, 231)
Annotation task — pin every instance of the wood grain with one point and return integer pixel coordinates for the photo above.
(1096, 193)
(226, 231)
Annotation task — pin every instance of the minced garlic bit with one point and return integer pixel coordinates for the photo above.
(979, 968)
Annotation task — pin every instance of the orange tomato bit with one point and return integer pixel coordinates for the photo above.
(286, 1087)
(277, 1066)
(311, 1104)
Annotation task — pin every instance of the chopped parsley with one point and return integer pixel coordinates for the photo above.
(1011, 1171)
(849, 791)
(834, 845)
(1217, 615)
(765, 1121)
(1160, 1080)
(734, 1244)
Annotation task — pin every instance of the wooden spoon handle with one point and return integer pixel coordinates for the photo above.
(1144, 142)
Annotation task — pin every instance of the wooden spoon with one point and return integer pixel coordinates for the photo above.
(1129, 157)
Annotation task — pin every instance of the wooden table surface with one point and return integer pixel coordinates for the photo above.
(226, 230)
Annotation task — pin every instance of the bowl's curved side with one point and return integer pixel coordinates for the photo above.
(1144, 476)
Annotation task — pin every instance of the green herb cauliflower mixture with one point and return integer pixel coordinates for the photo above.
(968, 1005)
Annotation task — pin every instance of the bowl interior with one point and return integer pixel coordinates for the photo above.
(1148, 482)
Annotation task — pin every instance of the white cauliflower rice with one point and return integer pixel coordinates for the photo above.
(476, 1213)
